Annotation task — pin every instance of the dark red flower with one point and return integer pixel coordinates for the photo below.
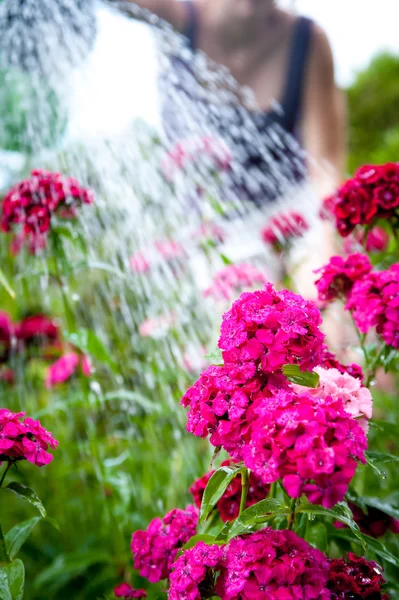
(29, 206)
(355, 578)
(36, 329)
(229, 504)
(338, 277)
(124, 590)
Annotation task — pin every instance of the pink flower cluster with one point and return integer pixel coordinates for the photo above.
(355, 578)
(24, 439)
(229, 504)
(272, 564)
(268, 329)
(222, 405)
(372, 194)
(65, 367)
(311, 443)
(233, 279)
(283, 229)
(210, 152)
(29, 207)
(125, 591)
(40, 332)
(356, 398)
(338, 277)
(155, 549)
(374, 302)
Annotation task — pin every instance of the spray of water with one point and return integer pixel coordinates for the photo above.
(181, 190)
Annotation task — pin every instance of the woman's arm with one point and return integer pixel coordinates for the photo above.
(324, 118)
(170, 10)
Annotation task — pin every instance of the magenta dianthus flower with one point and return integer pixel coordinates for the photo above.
(338, 277)
(24, 439)
(283, 229)
(268, 329)
(312, 444)
(273, 564)
(222, 404)
(193, 574)
(155, 549)
(374, 302)
(124, 590)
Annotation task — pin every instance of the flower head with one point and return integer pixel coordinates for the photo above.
(268, 329)
(24, 439)
(36, 329)
(283, 229)
(222, 402)
(124, 590)
(272, 564)
(355, 578)
(338, 277)
(193, 574)
(65, 367)
(372, 194)
(29, 206)
(311, 443)
(155, 549)
(374, 302)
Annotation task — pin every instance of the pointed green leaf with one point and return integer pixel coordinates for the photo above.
(316, 535)
(341, 512)
(381, 457)
(215, 489)
(307, 379)
(12, 579)
(6, 285)
(26, 493)
(255, 515)
(17, 536)
(207, 539)
(369, 543)
(87, 341)
(4, 557)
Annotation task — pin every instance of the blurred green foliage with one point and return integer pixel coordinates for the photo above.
(374, 113)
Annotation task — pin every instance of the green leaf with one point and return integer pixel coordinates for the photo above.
(87, 341)
(369, 543)
(255, 515)
(226, 260)
(135, 398)
(341, 512)
(316, 535)
(215, 489)
(215, 357)
(12, 579)
(207, 539)
(4, 557)
(26, 493)
(307, 379)
(6, 285)
(17, 536)
(381, 457)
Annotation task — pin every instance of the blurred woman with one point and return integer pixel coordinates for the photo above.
(280, 56)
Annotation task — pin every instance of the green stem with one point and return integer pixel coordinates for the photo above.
(244, 490)
(69, 314)
(5, 473)
(291, 518)
(373, 367)
(273, 490)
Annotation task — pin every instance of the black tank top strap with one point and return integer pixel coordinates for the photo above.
(292, 98)
(191, 27)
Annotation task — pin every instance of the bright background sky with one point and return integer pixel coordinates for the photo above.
(357, 29)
